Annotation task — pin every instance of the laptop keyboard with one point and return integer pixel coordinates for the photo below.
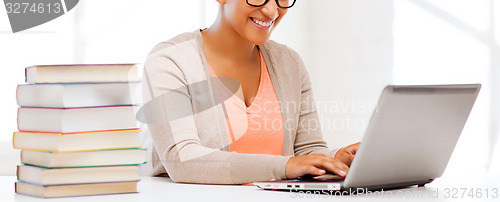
(321, 178)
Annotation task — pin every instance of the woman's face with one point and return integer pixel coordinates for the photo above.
(253, 24)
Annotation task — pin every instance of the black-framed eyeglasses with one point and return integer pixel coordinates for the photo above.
(280, 3)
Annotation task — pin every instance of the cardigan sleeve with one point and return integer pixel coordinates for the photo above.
(309, 138)
(172, 126)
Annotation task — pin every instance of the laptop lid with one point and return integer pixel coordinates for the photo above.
(409, 140)
(411, 135)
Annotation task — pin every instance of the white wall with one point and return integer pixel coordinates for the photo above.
(124, 31)
(51, 43)
(453, 41)
(352, 48)
(348, 49)
(111, 31)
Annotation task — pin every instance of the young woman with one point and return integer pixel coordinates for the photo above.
(265, 128)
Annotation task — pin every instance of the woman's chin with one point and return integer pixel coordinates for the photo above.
(259, 40)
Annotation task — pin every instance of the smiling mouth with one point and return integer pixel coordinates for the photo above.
(262, 23)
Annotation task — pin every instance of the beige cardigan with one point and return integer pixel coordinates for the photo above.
(192, 146)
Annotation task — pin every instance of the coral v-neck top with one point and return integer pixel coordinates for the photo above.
(258, 128)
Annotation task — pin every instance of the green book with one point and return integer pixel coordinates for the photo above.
(57, 176)
(109, 157)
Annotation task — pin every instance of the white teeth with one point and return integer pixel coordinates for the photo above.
(262, 23)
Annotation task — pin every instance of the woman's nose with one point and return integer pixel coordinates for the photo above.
(270, 10)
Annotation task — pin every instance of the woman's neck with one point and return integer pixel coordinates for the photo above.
(222, 40)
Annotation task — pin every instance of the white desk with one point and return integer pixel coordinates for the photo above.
(163, 189)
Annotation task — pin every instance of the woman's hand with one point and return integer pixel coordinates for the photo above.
(314, 164)
(346, 154)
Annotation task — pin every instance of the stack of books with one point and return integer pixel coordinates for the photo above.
(77, 130)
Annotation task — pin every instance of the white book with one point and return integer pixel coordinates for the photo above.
(49, 191)
(53, 176)
(77, 95)
(71, 120)
(82, 73)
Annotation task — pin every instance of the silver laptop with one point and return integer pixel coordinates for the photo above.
(409, 140)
